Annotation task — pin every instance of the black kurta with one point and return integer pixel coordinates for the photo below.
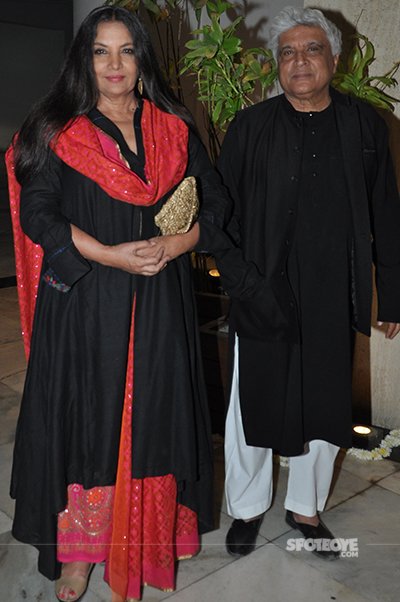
(300, 276)
(319, 267)
(70, 420)
(312, 379)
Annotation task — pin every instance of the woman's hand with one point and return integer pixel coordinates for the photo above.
(141, 257)
(175, 245)
(144, 257)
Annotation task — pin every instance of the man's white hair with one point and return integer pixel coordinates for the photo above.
(291, 17)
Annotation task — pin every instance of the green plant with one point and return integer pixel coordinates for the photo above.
(228, 76)
(354, 77)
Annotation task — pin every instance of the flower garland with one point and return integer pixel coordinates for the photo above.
(384, 449)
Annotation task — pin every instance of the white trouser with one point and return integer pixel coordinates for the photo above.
(248, 469)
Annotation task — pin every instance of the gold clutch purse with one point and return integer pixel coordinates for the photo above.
(180, 211)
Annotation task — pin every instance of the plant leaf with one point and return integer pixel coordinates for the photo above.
(231, 46)
(151, 6)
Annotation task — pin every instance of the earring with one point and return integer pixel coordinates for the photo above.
(140, 86)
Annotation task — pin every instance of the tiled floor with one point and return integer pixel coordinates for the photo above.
(364, 504)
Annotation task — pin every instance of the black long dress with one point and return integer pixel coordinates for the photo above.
(69, 425)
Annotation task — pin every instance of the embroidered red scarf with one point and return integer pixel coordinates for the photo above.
(85, 148)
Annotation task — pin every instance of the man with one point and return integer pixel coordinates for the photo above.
(312, 184)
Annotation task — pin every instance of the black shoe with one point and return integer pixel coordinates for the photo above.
(241, 537)
(321, 531)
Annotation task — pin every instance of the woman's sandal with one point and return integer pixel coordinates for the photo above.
(76, 584)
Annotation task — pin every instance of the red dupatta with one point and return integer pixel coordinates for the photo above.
(85, 148)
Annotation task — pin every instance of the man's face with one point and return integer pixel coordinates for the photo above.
(306, 64)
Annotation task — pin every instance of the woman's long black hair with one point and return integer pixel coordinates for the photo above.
(75, 92)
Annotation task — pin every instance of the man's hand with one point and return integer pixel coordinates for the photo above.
(392, 329)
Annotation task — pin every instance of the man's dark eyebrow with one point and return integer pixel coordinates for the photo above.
(284, 47)
(310, 43)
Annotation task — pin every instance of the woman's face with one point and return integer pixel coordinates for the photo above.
(114, 62)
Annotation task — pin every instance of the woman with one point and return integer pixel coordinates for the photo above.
(112, 458)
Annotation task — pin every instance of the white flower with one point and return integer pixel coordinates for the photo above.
(384, 450)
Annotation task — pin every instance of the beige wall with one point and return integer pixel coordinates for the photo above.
(377, 19)
(377, 367)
